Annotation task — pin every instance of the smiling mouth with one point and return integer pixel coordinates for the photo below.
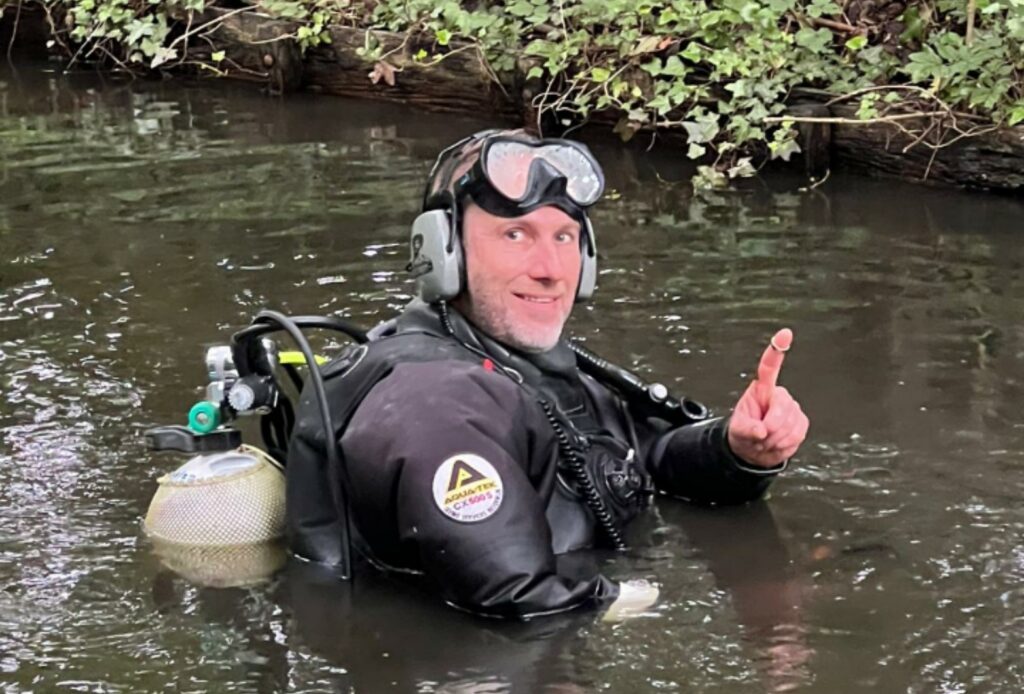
(536, 299)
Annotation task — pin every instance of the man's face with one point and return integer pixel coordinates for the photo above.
(522, 274)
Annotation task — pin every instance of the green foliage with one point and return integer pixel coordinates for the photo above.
(143, 30)
(983, 77)
(152, 33)
(719, 71)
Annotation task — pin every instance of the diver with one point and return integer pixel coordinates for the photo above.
(477, 444)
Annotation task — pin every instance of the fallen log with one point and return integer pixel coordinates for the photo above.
(263, 49)
(462, 82)
(260, 48)
(257, 48)
(993, 160)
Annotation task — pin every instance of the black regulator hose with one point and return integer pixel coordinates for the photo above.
(650, 397)
(576, 463)
(270, 321)
(259, 328)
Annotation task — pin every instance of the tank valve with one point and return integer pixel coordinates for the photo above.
(204, 417)
(253, 394)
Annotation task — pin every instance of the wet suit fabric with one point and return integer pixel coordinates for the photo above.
(422, 415)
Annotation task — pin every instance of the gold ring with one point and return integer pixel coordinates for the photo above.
(777, 348)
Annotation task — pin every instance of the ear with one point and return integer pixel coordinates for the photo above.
(588, 264)
(435, 256)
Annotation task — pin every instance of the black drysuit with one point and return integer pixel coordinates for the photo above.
(451, 443)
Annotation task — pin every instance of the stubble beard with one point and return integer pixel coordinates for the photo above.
(483, 306)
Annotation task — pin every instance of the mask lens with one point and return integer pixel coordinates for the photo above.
(509, 165)
(582, 181)
(508, 168)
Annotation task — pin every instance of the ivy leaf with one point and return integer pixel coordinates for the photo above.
(653, 67)
(823, 8)
(674, 67)
(701, 131)
(739, 88)
(746, 10)
(1016, 114)
(600, 74)
(539, 47)
(857, 42)
(137, 29)
(742, 168)
(667, 16)
(286, 9)
(814, 40)
(708, 177)
(443, 36)
(784, 150)
(661, 104)
(867, 109)
(925, 65)
(163, 54)
(218, 56)
(915, 23)
(691, 52)
(695, 151)
(149, 47)
(520, 8)
(872, 55)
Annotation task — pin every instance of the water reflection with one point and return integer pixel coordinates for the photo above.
(750, 562)
(139, 222)
(389, 634)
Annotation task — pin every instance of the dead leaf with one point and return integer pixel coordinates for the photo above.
(626, 129)
(648, 44)
(383, 71)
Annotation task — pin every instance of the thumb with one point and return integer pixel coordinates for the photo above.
(746, 427)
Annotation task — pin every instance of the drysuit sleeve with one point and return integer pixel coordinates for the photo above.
(694, 462)
(451, 462)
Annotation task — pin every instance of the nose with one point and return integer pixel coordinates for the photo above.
(545, 262)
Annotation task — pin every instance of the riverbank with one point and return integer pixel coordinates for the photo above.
(797, 86)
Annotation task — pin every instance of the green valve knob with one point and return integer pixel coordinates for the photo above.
(204, 417)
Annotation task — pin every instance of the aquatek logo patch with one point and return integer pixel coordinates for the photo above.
(467, 488)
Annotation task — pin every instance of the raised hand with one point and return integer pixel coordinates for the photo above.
(767, 425)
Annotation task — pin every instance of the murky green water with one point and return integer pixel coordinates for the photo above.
(140, 222)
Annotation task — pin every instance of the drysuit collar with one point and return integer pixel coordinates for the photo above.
(553, 372)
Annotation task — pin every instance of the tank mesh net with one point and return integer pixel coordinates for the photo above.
(237, 510)
(223, 566)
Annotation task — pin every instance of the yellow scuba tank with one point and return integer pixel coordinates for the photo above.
(223, 567)
(218, 519)
(215, 499)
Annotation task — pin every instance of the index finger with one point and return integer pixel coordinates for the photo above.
(771, 361)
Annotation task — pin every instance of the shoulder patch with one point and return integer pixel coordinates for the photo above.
(467, 488)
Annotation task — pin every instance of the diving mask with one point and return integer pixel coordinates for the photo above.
(515, 174)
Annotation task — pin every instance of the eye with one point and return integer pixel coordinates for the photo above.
(565, 237)
(514, 234)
